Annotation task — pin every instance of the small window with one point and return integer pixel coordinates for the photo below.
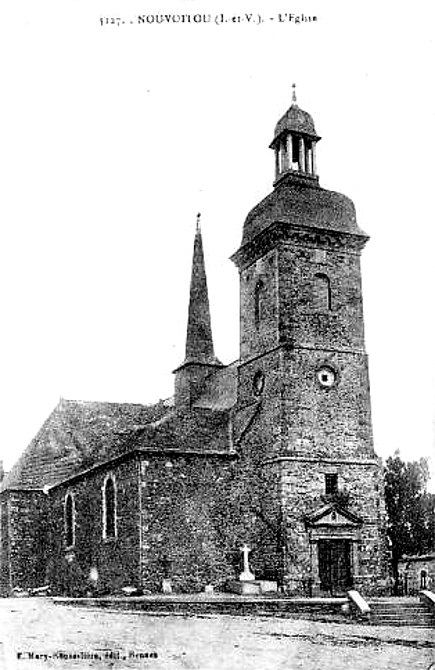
(322, 293)
(259, 295)
(69, 520)
(109, 509)
(423, 579)
(258, 383)
(331, 483)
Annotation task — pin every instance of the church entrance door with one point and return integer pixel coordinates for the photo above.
(335, 566)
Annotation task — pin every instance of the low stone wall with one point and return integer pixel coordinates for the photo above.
(416, 573)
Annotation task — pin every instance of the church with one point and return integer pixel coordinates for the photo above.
(274, 451)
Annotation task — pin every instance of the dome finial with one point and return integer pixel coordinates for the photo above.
(294, 101)
(198, 222)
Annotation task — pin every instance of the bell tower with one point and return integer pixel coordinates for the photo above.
(294, 144)
(302, 335)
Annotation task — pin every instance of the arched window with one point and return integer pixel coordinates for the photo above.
(109, 508)
(69, 520)
(258, 383)
(322, 293)
(423, 579)
(259, 295)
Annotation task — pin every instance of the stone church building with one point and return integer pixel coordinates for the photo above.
(275, 450)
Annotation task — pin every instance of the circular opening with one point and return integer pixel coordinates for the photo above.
(326, 376)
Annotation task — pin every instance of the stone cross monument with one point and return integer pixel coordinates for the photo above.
(246, 575)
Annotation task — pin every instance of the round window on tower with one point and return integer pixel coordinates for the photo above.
(258, 382)
(326, 376)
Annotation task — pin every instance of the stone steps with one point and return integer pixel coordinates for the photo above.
(400, 612)
(382, 613)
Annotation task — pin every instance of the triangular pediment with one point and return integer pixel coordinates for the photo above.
(333, 515)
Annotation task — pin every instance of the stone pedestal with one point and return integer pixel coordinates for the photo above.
(166, 585)
(253, 588)
(247, 576)
(268, 586)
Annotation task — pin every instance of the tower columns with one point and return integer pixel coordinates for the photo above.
(290, 151)
(283, 157)
(308, 158)
(313, 158)
(301, 154)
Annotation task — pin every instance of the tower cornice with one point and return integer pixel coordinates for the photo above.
(280, 232)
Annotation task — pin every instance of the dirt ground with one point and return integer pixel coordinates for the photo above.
(35, 633)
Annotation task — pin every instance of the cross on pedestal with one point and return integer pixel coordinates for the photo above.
(246, 575)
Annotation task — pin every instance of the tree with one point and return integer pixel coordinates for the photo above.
(410, 508)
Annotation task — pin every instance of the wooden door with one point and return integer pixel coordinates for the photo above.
(335, 566)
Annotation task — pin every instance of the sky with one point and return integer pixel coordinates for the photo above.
(113, 137)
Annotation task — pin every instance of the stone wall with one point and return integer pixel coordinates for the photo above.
(266, 433)
(258, 337)
(319, 431)
(330, 422)
(95, 564)
(359, 492)
(24, 535)
(187, 519)
(185, 530)
(304, 320)
(196, 514)
(4, 546)
(180, 515)
(291, 307)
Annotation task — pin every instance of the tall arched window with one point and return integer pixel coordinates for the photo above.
(259, 294)
(109, 508)
(322, 293)
(69, 520)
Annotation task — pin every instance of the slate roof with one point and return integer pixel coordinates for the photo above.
(220, 390)
(199, 339)
(295, 120)
(302, 205)
(197, 431)
(76, 436)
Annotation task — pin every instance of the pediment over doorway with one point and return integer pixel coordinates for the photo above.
(333, 515)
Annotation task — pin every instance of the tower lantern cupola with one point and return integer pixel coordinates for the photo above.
(294, 144)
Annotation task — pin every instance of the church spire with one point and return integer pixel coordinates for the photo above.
(199, 339)
(200, 360)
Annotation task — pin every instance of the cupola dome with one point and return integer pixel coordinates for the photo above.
(296, 120)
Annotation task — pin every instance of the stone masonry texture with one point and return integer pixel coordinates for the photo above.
(275, 450)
